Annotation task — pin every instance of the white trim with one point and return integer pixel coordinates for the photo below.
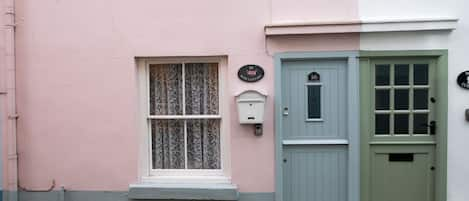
(364, 26)
(409, 25)
(171, 185)
(314, 120)
(184, 116)
(146, 173)
(308, 142)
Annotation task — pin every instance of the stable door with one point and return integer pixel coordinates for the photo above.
(404, 130)
(315, 139)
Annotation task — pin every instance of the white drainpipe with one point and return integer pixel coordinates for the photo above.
(9, 95)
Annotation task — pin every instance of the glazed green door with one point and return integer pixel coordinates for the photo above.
(403, 129)
(314, 130)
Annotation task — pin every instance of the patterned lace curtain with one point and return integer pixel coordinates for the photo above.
(203, 145)
(201, 98)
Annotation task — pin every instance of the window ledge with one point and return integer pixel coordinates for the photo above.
(183, 191)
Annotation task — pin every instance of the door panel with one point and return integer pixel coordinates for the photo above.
(402, 173)
(315, 173)
(333, 122)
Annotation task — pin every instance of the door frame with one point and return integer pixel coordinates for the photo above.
(441, 109)
(353, 114)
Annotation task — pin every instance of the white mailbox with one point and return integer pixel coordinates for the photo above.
(251, 106)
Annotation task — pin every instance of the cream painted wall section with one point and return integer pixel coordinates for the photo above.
(457, 43)
(404, 9)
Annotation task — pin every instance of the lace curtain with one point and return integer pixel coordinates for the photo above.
(201, 98)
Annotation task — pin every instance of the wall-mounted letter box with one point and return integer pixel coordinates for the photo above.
(251, 107)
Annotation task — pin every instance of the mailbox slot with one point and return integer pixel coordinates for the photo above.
(401, 157)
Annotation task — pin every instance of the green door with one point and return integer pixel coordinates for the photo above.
(401, 129)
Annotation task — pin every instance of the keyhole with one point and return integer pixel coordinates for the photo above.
(284, 160)
(432, 168)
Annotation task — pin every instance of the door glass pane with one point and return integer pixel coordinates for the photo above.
(382, 124)
(167, 142)
(420, 123)
(420, 99)
(420, 74)
(382, 99)
(314, 101)
(382, 74)
(165, 89)
(401, 74)
(201, 90)
(401, 99)
(203, 144)
(401, 124)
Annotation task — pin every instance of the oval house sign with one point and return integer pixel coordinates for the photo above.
(251, 73)
(463, 80)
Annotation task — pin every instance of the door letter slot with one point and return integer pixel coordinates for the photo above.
(401, 157)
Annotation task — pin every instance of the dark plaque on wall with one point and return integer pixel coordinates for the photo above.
(463, 80)
(251, 73)
(314, 77)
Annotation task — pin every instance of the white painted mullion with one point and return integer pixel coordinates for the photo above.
(184, 112)
(411, 99)
(391, 101)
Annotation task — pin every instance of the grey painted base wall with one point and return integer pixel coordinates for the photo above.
(109, 196)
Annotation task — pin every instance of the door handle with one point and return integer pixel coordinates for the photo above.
(285, 111)
(432, 127)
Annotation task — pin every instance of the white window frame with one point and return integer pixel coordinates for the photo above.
(149, 175)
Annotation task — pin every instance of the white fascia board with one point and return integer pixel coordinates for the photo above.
(409, 25)
(364, 26)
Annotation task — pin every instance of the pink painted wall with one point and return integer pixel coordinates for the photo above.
(76, 81)
(314, 10)
(3, 150)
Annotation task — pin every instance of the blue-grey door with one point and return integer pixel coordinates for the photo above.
(315, 130)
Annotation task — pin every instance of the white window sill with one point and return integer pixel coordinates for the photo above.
(183, 191)
(186, 180)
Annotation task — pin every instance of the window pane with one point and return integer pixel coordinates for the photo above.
(420, 74)
(165, 89)
(314, 102)
(401, 74)
(167, 143)
(420, 99)
(401, 124)
(201, 88)
(401, 99)
(382, 99)
(382, 75)
(203, 144)
(420, 123)
(382, 124)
